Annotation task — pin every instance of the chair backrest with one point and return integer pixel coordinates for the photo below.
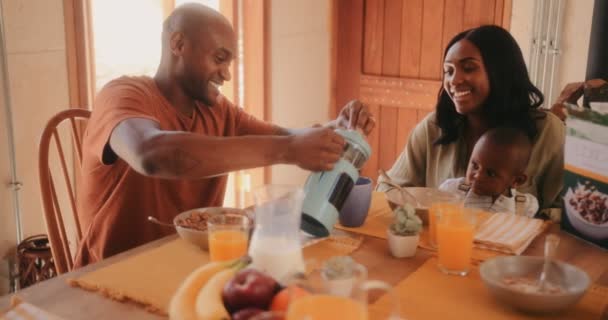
(54, 218)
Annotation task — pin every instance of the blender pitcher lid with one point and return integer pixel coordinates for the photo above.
(355, 138)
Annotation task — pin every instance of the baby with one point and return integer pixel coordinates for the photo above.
(496, 168)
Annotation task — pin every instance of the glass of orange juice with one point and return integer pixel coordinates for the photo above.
(455, 232)
(228, 236)
(435, 211)
(329, 298)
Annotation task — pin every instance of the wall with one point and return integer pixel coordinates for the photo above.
(35, 43)
(575, 38)
(575, 45)
(300, 72)
(521, 25)
(7, 223)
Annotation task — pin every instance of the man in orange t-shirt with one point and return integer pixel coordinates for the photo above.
(159, 146)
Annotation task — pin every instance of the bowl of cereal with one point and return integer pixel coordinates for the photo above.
(587, 210)
(513, 280)
(191, 225)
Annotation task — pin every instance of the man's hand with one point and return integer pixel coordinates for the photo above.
(315, 149)
(356, 115)
(571, 93)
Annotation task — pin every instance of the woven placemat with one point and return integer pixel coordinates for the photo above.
(149, 279)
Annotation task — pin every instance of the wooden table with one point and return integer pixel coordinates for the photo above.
(58, 297)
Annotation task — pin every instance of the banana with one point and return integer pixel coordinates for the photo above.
(182, 306)
(209, 304)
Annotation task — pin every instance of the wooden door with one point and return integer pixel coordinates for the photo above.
(389, 53)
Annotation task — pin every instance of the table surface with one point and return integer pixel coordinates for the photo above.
(57, 297)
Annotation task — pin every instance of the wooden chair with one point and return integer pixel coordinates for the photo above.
(54, 218)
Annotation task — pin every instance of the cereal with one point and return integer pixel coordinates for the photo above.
(591, 204)
(196, 220)
(530, 285)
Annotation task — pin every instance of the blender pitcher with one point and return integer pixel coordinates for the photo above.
(275, 246)
(326, 191)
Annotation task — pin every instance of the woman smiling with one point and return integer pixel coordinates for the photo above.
(485, 85)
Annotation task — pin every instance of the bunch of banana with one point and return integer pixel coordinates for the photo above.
(200, 296)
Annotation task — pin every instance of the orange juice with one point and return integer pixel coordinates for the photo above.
(227, 244)
(434, 211)
(326, 307)
(455, 240)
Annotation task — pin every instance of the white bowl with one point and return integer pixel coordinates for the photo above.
(595, 231)
(425, 196)
(573, 280)
(200, 238)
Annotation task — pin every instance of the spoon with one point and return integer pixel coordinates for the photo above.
(551, 243)
(403, 190)
(164, 224)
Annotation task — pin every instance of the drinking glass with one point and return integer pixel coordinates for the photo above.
(228, 236)
(435, 211)
(330, 299)
(455, 233)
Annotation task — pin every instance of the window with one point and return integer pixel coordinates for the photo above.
(127, 36)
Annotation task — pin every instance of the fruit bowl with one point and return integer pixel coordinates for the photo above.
(191, 225)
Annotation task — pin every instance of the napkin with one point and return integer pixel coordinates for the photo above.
(508, 233)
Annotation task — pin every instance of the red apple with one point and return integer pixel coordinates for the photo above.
(246, 314)
(249, 288)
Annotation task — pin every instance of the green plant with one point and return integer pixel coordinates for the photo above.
(406, 223)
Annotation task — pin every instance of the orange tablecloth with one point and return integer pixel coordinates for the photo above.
(430, 294)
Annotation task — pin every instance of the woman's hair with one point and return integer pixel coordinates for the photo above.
(513, 99)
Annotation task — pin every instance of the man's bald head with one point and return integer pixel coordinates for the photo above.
(198, 46)
(194, 20)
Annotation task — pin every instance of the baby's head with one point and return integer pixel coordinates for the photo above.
(498, 161)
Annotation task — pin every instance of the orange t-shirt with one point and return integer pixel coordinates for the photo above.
(114, 200)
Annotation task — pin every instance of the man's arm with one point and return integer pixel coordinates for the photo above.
(183, 155)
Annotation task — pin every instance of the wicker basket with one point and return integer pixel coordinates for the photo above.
(35, 260)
